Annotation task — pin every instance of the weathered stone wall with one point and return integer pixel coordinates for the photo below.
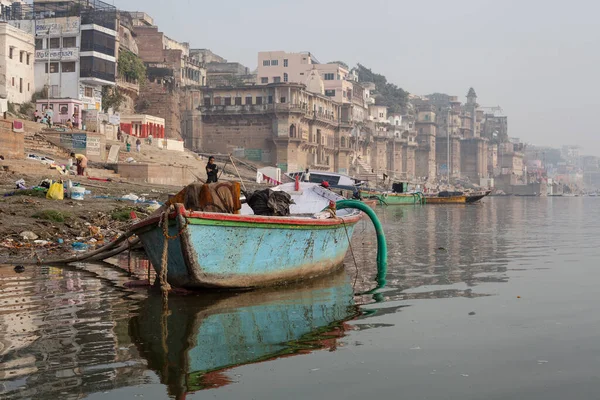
(163, 102)
(474, 158)
(11, 144)
(157, 174)
(250, 135)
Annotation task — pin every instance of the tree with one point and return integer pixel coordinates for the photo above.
(111, 98)
(392, 96)
(131, 67)
(343, 64)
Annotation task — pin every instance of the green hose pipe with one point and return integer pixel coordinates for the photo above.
(381, 243)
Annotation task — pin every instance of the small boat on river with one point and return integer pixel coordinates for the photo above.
(243, 250)
(455, 197)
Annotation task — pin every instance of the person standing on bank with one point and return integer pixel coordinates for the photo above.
(211, 171)
(81, 163)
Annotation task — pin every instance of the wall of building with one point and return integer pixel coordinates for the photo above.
(11, 143)
(16, 73)
(156, 174)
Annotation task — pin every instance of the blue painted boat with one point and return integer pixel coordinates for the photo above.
(204, 336)
(217, 250)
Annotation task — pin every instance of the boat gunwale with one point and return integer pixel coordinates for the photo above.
(253, 219)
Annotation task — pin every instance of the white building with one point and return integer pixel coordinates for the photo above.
(75, 54)
(279, 66)
(16, 65)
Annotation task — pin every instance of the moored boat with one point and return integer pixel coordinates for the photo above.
(220, 250)
(391, 198)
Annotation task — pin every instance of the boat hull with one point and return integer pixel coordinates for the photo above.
(234, 251)
(395, 199)
(446, 200)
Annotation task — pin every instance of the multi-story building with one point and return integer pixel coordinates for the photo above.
(75, 48)
(279, 66)
(16, 65)
(171, 71)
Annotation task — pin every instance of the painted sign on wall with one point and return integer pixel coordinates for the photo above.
(57, 26)
(58, 54)
(73, 141)
(93, 146)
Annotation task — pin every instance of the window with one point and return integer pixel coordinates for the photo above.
(20, 85)
(39, 44)
(270, 99)
(259, 100)
(68, 66)
(329, 77)
(248, 100)
(69, 41)
(53, 68)
(301, 73)
(94, 67)
(264, 80)
(207, 101)
(217, 101)
(13, 81)
(10, 52)
(238, 101)
(285, 62)
(285, 77)
(21, 56)
(274, 62)
(28, 58)
(98, 41)
(266, 63)
(55, 43)
(227, 101)
(63, 109)
(28, 87)
(276, 79)
(89, 92)
(282, 100)
(330, 93)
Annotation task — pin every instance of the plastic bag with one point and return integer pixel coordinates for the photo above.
(56, 191)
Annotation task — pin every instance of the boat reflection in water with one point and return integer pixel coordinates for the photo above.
(208, 333)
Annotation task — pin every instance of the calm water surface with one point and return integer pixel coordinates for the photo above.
(494, 301)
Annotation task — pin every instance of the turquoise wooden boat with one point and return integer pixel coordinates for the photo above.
(215, 250)
(205, 336)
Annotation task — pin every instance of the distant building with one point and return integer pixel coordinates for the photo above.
(75, 48)
(279, 66)
(171, 70)
(16, 65)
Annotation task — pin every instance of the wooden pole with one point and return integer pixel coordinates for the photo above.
(238, 173)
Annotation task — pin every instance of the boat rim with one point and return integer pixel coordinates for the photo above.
(352, 217)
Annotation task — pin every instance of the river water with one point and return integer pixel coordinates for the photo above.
(494, 301)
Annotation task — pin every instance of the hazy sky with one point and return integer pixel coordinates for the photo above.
(538, 59)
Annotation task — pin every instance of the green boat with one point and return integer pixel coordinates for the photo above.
(392, 199)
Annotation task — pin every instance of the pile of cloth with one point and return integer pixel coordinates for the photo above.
(221, 197)
(269, 202)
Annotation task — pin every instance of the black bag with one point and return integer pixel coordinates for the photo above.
(270, 203)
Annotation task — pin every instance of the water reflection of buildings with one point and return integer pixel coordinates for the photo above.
(61, 332)
(440, 251)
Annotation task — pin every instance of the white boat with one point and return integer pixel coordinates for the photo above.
(330, 177)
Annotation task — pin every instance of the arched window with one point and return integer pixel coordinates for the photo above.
(292, 131)
(285, 77)
(343, 144)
